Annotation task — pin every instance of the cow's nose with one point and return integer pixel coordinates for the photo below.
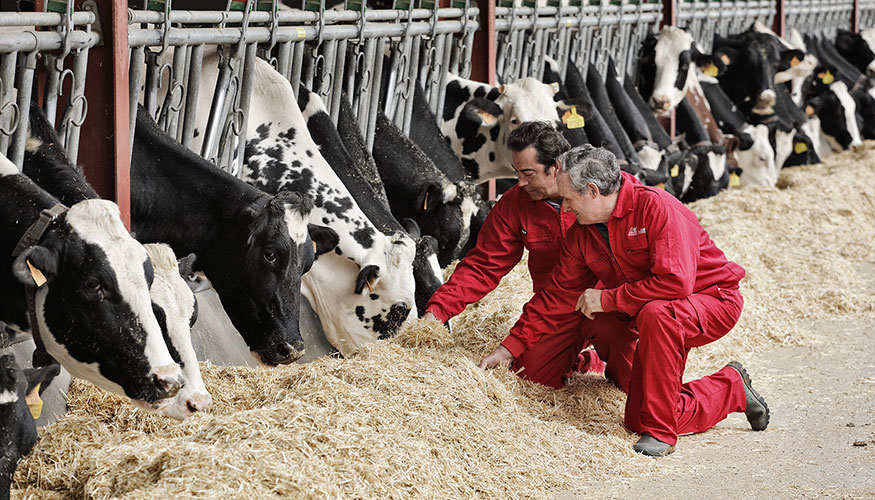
(168, 380)
(856, 146)
(199, 402)
(766, 99)
(286, 353)
(659, 102)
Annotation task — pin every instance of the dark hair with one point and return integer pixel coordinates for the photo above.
(588, 164)
(548, 142)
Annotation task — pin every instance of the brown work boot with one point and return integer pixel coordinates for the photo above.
(756, 410)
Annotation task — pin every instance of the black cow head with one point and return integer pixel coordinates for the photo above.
(262, 299)
(17, 422)
(426, 270)
(858, 49)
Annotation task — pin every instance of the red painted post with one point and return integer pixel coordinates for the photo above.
(485, 48)
(855, 17)
(779, 25)
(105, 156)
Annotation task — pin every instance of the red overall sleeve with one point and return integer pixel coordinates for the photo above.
(552, 308)
(499, 249)
(673, 244)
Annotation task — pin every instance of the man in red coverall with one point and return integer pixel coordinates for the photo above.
(662, 277)
(528, 217)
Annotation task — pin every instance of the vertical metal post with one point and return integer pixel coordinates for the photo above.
(107, 166)
(779, 25)
(484, 47)
(855, 17)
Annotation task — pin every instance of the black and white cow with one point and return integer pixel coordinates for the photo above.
(709, 173)
(365, 288)
(47, 163)
(858, 49)
(253, 247)
(667, 68)
(345, 150)
(598, 132)
(477, 118)
(176, 309)
(92, 306)
(17, 425)
(427, 135)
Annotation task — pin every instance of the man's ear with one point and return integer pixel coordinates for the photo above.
(36, 265)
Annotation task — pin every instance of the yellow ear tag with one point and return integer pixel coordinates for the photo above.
(734, 180)
(571, 119)
(675, 170)
(826, 77)
(800, 148)
(710, 70)
(794, 61)
(36, 274)
(725, 59)
(425, 203)
(809, 110)
(314, 246)
(661, 185)
(34, 403)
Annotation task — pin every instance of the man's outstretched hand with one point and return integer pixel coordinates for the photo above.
(500, 356)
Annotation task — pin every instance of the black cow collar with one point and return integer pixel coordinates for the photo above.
(30, 238)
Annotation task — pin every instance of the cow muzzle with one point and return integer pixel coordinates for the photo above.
(282, 353)
(765, 102)
(168, 380)
(660, 103)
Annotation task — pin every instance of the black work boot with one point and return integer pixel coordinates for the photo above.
(652, 447)
(756, 411)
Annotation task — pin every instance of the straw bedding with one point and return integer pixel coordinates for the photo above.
(415, 418)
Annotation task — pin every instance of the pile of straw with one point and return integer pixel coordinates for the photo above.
(415, 418)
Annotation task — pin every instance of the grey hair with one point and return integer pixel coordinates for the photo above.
(588, 164)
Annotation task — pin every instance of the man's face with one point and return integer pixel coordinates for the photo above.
(584, 206)
(538, 180)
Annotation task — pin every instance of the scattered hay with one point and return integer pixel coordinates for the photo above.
(415, 418)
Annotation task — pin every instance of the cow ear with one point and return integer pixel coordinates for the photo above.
(726, 55)
(367, 277)
(36, 265)
(791, 58)
(844, 41)
(554, 87)
(581, 107)
(429, 197)
(411, 227)
(324, 238)
(40, 378)
(186, 264)
(482, 112)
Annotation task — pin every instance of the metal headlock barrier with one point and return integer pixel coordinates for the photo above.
(867, 14)
(330, 52)
(819, 17)
(704, 19)
(55, 44)
(529, 33)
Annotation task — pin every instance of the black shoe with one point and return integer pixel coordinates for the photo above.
(652, 447)
(756, 411)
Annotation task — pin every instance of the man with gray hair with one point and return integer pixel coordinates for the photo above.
(662, 279)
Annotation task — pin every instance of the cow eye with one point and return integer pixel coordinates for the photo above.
(514, 121)
(269, 256)
(91, 284)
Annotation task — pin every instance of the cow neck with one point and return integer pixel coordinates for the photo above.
(30, 238)
(205, 199)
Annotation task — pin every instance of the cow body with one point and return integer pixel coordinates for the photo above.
(364, 289)
(93, 308)
(253, 247)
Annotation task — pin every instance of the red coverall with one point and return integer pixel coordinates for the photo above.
(664, 280)
(514, 223)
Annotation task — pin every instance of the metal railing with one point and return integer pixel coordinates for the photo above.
(529, 33)
(819, 17)
(53, 44)
(330, 52)
(706, 18)
(867, 14)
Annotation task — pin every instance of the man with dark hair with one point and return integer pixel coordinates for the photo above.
(639, 261)
(526, 217)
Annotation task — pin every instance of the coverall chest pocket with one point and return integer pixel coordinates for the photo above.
(534, 239)
(637, 254)
(600, 265)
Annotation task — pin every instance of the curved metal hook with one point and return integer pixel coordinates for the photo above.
(84, 110)
(64, 73)
(14, 121)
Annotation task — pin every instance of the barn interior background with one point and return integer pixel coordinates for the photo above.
(347, 428)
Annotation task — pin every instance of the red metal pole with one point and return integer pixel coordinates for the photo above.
(669, 18)
(855, 17)
(484, 50)
(105, 156)
(779, 25)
